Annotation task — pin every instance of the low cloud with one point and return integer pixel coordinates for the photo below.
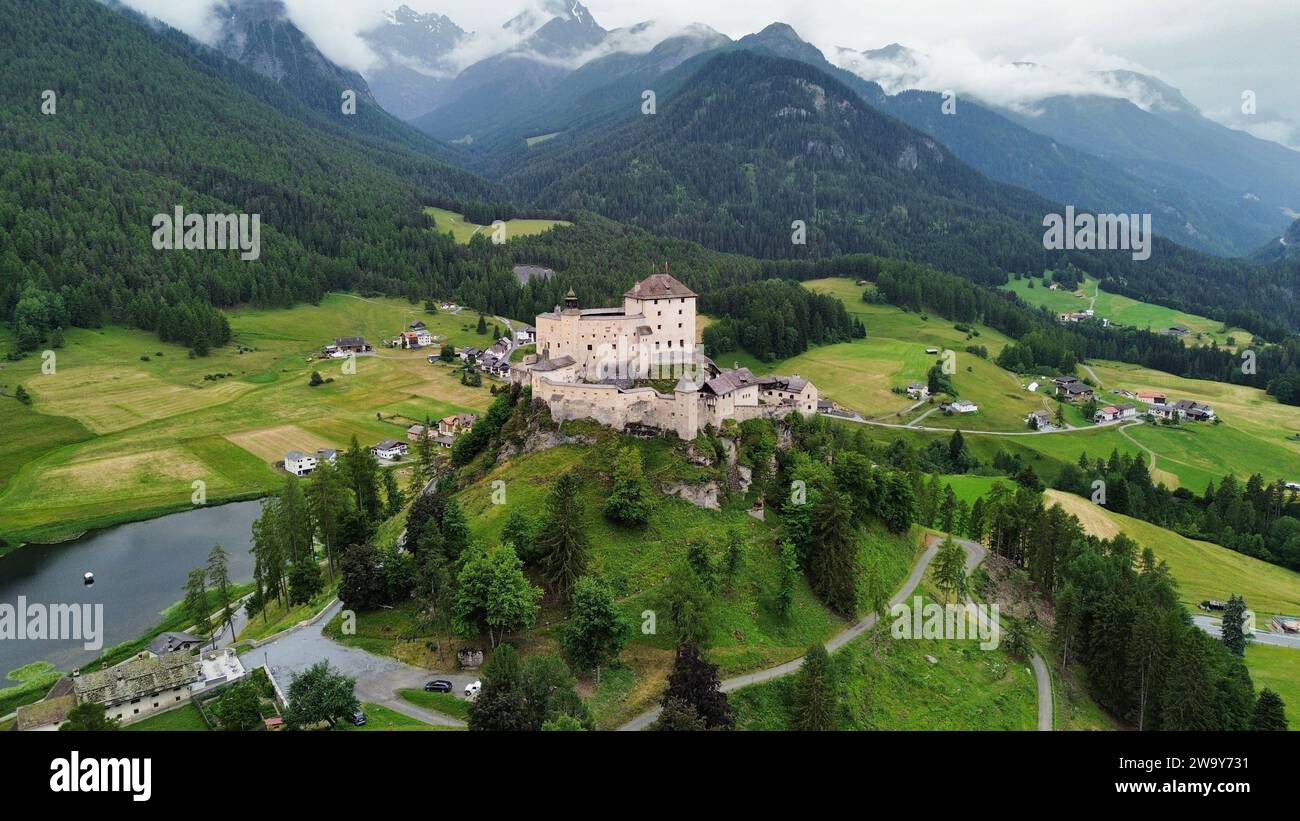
(1018, 84)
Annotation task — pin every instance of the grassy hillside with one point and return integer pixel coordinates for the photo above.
(1203, 570)
(1123, 310)
(861, 374)
(126, 423)
(450, 221)
(892, 685)
(1256, 434)
(748, 633)
(1277, 668)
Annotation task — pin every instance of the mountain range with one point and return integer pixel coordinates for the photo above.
(1207, 186)
(747, 138)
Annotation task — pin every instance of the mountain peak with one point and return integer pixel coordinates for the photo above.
(779, 29)
(782, 40)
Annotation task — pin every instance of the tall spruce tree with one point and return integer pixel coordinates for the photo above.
(1233, 629)
(1270, 713)
(814, 698)
(562, 541)
(833, 562)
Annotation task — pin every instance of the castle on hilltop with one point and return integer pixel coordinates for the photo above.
(616, 365)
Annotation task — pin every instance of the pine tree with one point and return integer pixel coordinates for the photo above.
(393, 494)
(196, 601)
(563, 542)
(327, 502)
(678, 716)
(814, 700)
(1187, 699)
(1233, 631)
(947, 509)
(455, 530)
(950, 569)
(218, 571)
(833, 562)
(789, 564)
(1270, 713)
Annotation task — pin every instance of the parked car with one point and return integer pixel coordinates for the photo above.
(472, 689)
(440, 685)
(358, 718)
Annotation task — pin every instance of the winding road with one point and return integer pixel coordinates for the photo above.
(1213, 627)
(975, 553)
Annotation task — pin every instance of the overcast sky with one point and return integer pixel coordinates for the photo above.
(1212, 50)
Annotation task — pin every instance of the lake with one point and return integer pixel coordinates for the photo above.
(139, 568)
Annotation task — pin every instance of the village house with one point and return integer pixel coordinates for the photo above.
(140, 687)
(1152, 397)
(327, 455)
(414, 432)
(1071, 389)
(351, 344)
(526, 335)
(960, 406)
(171, 642)
(407, 339)
(217, 668)
(1194, 410)
(1165, 411)
(1040, 420)
(456, 424)
(390, 449)
(1112, 413)
(596, 363)
(299, 463)
(1080, 316)
(917, 390)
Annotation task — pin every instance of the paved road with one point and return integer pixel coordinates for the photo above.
(975, 553)
(378, 677)
(1044, 692)
(965, 432)
(1211, 626)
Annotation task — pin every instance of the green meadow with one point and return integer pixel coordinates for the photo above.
(127, 424)
(1277, 668)
(1124, 310)
(918, 684)
(1203, 570)
(449, 221)
(862, 374)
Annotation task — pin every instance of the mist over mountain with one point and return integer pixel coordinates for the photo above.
(260, 35)
(417, 52)
(1209, 186)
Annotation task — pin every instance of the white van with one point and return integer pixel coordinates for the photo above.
(472, 689)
